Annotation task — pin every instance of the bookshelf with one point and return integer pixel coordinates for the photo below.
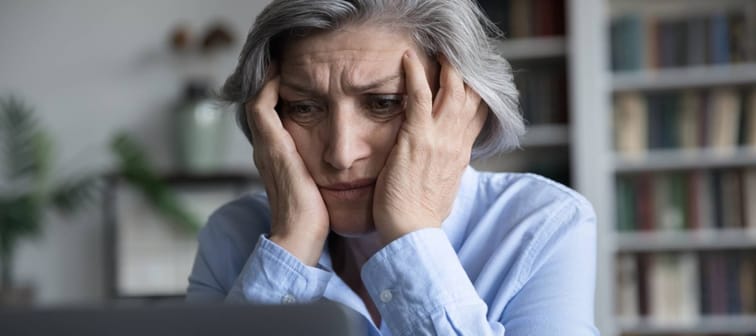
(689, 77)
(703, 326)
(710, 263)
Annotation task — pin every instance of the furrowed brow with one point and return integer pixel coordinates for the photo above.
(375, 84)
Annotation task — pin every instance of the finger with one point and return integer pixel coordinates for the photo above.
(476, 124)
(451, 94)
(261, 114)
(419, 106)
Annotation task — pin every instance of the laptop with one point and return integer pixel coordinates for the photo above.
(321, 318)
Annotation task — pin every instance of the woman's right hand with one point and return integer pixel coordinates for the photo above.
(299, 218)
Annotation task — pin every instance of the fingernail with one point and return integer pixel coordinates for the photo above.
(409, 53)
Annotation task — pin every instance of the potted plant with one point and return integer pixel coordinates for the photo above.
(27, 189)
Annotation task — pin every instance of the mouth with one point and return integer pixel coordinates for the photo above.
(348, 191)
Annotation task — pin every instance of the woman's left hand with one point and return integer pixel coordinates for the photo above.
(419, 182)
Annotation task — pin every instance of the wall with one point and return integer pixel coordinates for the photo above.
(90, 68)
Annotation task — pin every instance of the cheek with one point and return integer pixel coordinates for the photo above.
(383, 137)
(306, 142)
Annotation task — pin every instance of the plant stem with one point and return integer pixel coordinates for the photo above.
(6, 263)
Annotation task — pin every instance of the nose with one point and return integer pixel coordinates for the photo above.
(346, 142)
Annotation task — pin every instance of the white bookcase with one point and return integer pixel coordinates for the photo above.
(595, 164)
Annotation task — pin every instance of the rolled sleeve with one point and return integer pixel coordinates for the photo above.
(273, 276)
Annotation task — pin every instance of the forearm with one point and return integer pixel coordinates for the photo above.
(272, 275)
(420, 287)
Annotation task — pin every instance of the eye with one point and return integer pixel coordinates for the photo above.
(302, 112)
(385, 106)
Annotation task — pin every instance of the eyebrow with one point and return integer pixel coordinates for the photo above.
(307, 89)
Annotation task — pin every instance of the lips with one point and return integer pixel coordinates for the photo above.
(348, 191)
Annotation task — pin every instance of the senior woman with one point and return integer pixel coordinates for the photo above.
(364, 115)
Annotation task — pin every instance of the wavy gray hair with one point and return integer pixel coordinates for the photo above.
(457, 29)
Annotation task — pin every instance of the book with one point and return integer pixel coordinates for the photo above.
(689, 119)
(626, 216)
(749, 198)
(669, 193)
(747, 279)
(720, 39)
(627, 42)
(705, 201)
(645, 202)
(627, 287)
(520, 19)
(731, 200)
(749, 129)
(737, 39)
(725, 116)
(630, 123)
(674, 282)
(697, 38)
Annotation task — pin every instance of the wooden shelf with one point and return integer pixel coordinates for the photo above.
(698, 240)
(551, 135)
(689, 77)
(676, 159)
(533, 48)
(743, 324)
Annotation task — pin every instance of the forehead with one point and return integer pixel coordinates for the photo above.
(365, 42)
(351, 55)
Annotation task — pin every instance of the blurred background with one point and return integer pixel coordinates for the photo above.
(113, 155)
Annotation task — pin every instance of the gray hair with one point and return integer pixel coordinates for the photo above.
(457, 29)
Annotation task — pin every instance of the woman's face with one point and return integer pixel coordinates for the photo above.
(342, 100)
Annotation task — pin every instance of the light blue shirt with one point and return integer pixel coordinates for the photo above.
(516, 254)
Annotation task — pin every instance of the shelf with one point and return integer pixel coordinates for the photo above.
(699, 240)
(703, 325)
(689, 77)
(533, 48)
(209, 178)
(676, 159)
(546, 136)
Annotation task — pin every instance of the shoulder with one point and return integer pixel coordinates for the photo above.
(530, 214)
(529, 191)
(522, 196)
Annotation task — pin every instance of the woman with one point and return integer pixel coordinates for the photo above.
(364, 115)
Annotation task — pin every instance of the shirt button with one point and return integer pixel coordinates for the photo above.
(386, 296)
(287, 299)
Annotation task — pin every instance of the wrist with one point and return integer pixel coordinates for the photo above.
(308, 251)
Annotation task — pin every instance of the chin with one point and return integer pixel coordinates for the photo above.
(354, 222)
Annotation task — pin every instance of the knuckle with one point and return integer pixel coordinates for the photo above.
(421, 96)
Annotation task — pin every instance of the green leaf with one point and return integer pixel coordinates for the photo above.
(137, 170)
(24, 147)
(76, 192)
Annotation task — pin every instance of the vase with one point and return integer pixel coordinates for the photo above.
(202, 131)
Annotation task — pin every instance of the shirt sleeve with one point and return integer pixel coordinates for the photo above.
(273, 276)
(420, 288)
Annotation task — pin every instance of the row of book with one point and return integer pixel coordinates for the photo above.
(721, 118)
(650, 42)
(527, 18)
(543, 93)
(681, 287)
(700, 199)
